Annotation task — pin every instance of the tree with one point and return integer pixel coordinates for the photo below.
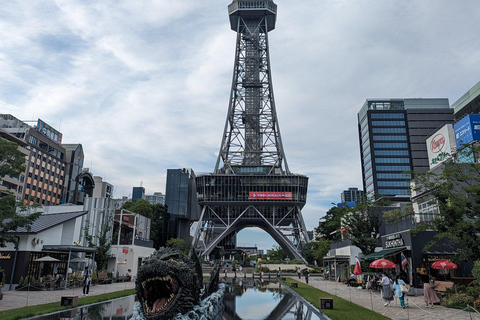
(277, 253)
(316, 250)
(12, 162)
(158, 231)
(330, 224)
(363, 223)
(178, 244)
(456, 192)
(103, 243)
(11, 220)
(142, 207)
(159, 216)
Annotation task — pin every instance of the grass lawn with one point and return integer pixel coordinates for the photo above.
(342, 309)
(31, 311)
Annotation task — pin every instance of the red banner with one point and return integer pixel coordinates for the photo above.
(270, 196)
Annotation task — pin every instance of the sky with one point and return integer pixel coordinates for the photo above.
(144, 85)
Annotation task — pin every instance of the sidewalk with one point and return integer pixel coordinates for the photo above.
(373, 301)
(20, 299)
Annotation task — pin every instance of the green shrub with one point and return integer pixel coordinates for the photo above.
(459, 300)
(21, 282)
(474, 291)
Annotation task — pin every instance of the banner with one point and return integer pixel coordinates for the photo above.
(270, 195)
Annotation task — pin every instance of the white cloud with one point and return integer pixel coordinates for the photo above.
(144, 85)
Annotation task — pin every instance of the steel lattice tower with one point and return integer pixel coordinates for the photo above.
(251, 184)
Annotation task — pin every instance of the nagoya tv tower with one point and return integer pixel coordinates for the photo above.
(251, 185)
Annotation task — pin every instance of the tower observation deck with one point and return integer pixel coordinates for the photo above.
(251, 185)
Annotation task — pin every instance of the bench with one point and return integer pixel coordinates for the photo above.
(121, 279)
(103, 278)
(441, 287)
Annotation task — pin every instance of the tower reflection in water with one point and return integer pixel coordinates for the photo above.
(263, 300)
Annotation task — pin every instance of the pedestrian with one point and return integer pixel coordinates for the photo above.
(306, 274)
(299, 272)
(279, 273)
(87, 278)
(234, 269)
(429, 294)
(397, 283)
(129, 275)
(387, 293)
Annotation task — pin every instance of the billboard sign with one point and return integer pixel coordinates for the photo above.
(269, 195)
(441, 145)
(49, 132)
(467, 130)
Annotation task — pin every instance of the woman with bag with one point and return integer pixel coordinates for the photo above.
(400, 288)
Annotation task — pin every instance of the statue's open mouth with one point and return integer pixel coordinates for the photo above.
(159, 293)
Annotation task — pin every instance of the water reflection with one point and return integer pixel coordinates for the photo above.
(118, 309)
(263, 300)
(244, 300)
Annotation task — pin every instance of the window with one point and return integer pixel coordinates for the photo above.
(32, 140)
(389, 130)
(392, 160)
(393, 168)
(400, 176)
(389, 138)
(404, 184)
(394, 191)
(390, 145)
(387, 116)
(388, 123)
(391, 152)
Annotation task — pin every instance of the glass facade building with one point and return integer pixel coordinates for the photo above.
(392, 135)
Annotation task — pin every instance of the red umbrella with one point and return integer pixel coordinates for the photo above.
(357, 270)
(443, 264)
(383, 264)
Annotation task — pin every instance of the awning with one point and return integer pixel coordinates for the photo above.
(68, 248)
(381, 254)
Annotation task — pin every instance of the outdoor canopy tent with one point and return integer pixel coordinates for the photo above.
(381, 254)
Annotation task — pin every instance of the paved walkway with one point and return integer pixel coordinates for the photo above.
(20, 299)
(372, 300)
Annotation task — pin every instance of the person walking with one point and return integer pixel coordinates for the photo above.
(397, 283)
(429, 294)
(306, 274)
(299, 273)
(87, 279)
(387, 293)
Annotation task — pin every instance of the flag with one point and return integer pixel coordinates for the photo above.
(404, 262)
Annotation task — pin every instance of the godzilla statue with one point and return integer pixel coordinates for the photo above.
(169, 285)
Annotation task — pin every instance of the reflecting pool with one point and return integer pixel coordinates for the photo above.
(244, 300)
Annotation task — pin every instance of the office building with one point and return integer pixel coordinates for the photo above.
(392, 134)
(74, 158)
(45, 181)
(14, 184)
(156, 198)
(469, 103)
(102, 188)
(138, 193)
(181, 202)
(352, 195)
